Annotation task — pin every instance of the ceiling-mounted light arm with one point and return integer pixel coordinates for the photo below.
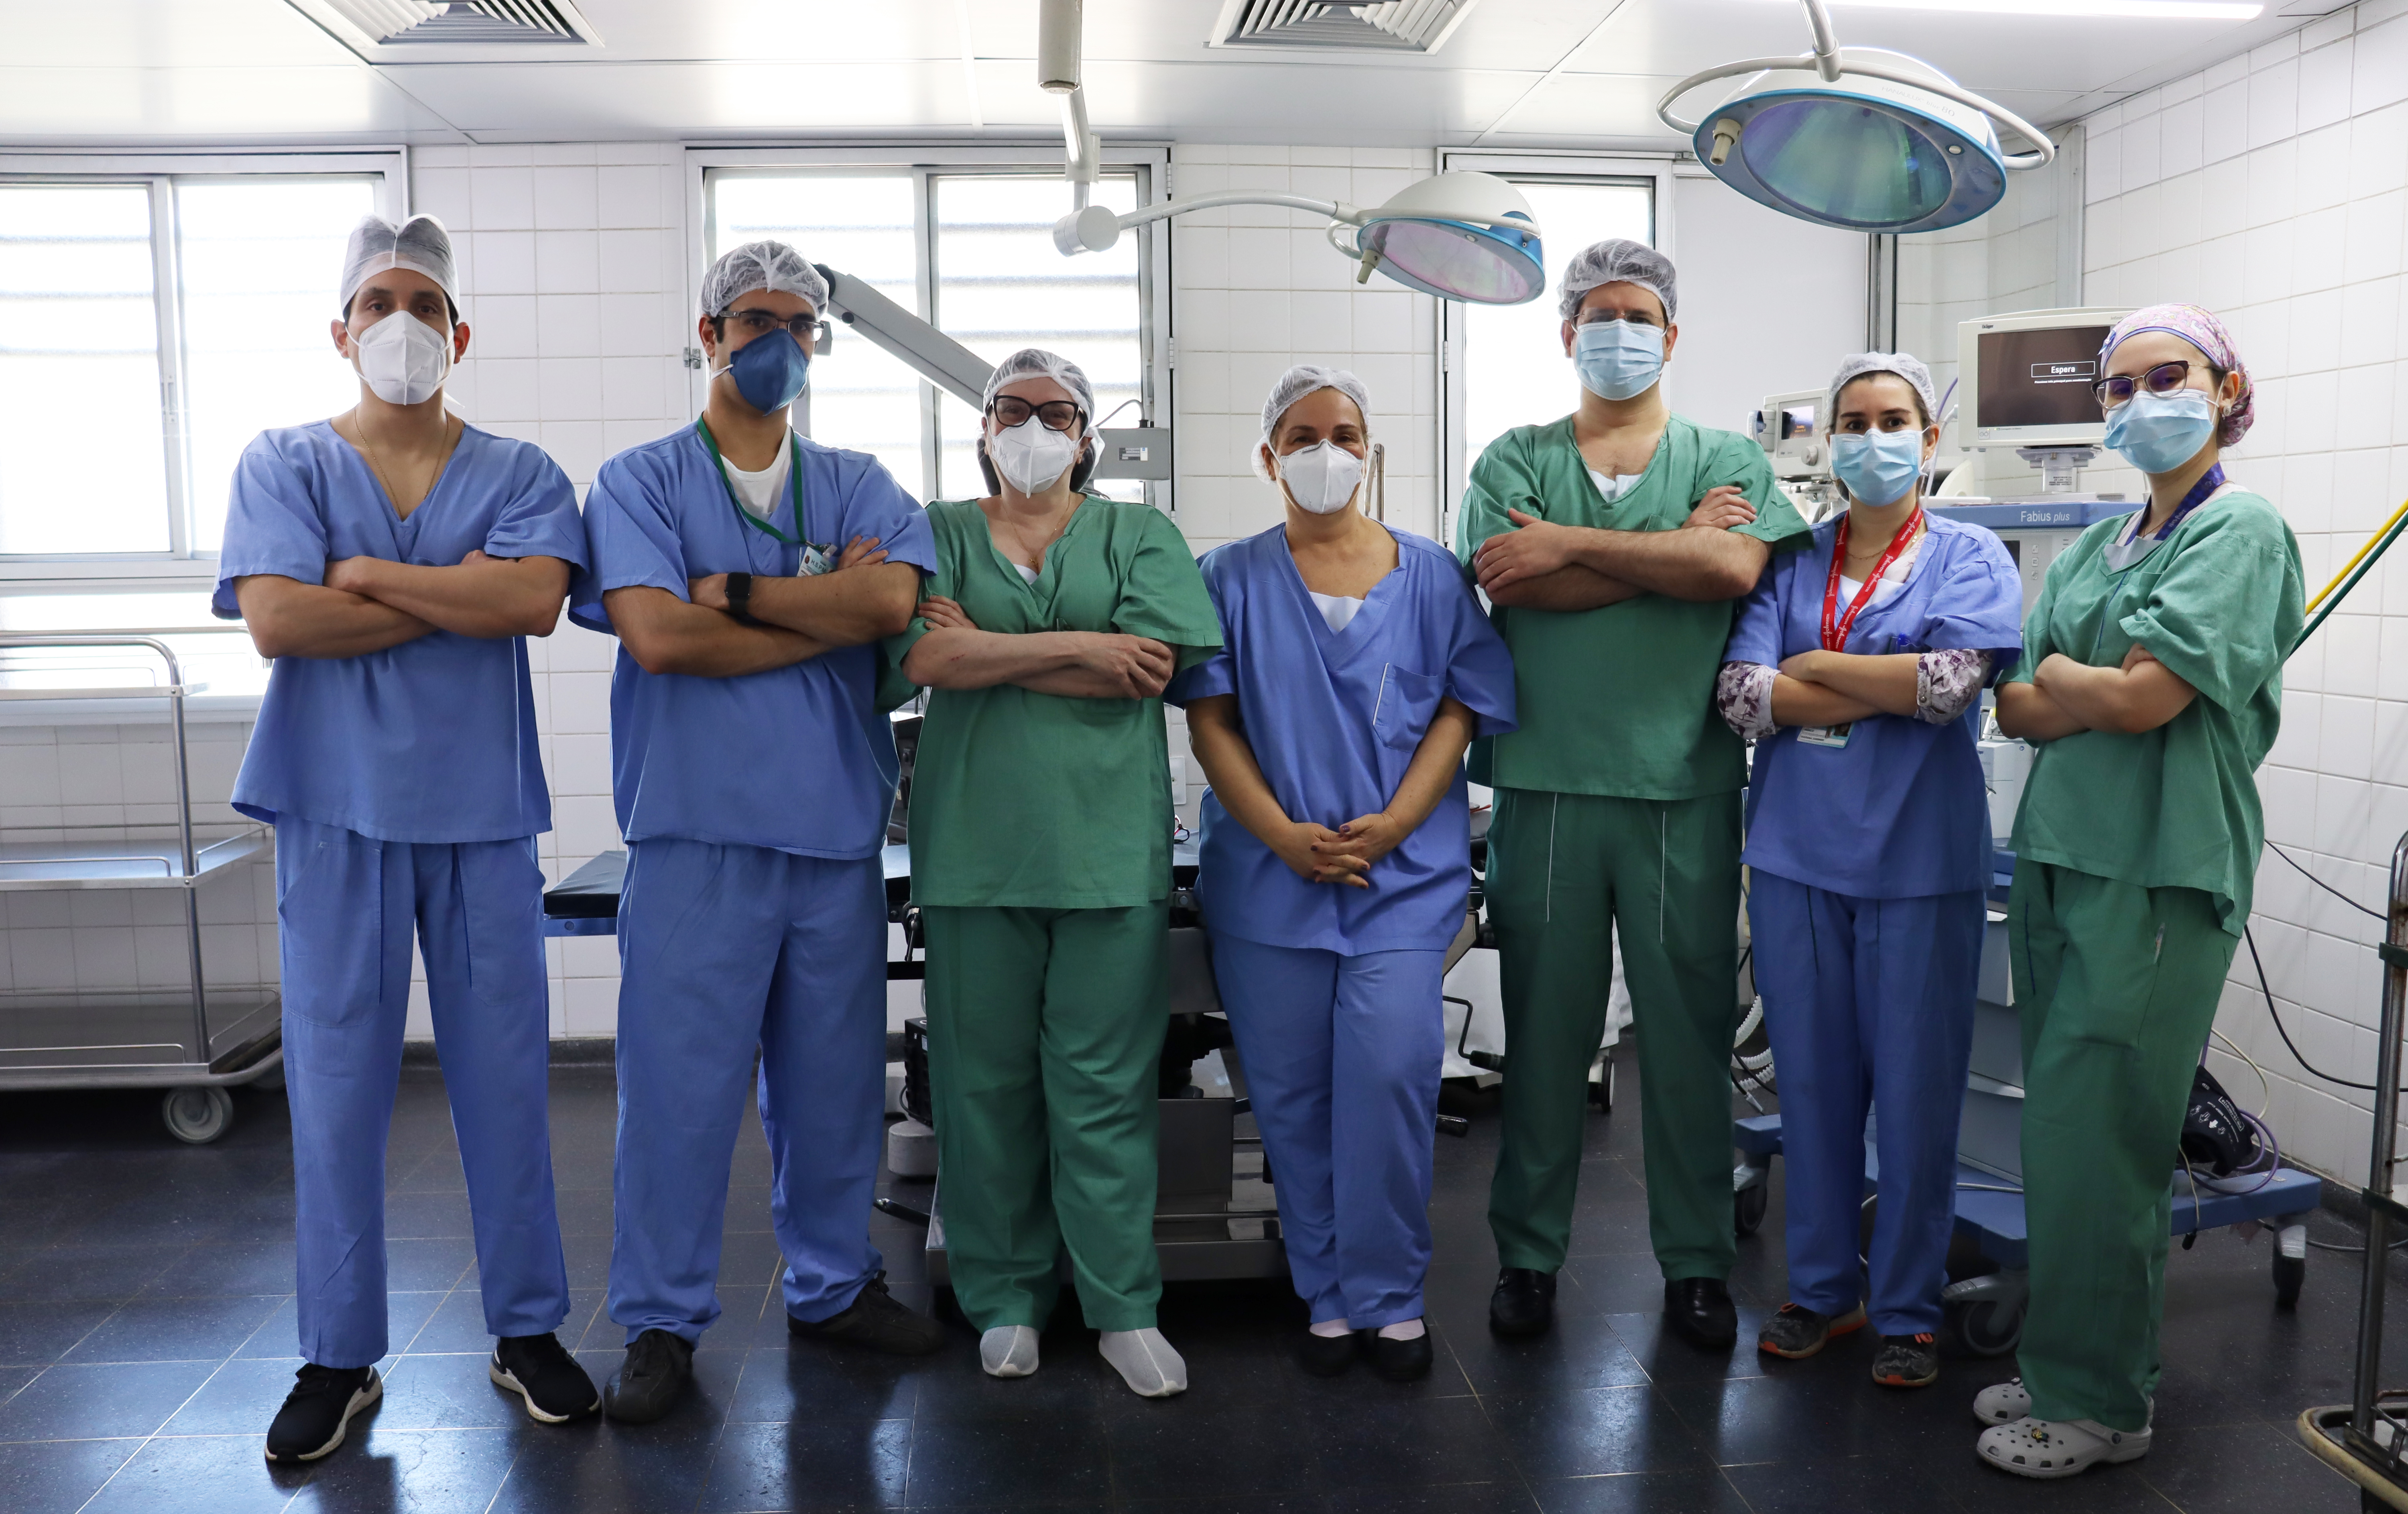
(1060, 36)
(1826, 62)
(1097, 229)
(923, 347)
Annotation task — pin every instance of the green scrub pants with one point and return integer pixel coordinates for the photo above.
(1044, 1033)
(1563, 870)
(2116, 985)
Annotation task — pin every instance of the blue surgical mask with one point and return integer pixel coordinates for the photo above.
(1618, 359)
(1878, 467)
(770, 370)
(2158, 433)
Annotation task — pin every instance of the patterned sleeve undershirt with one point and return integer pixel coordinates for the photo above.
(1946, 683)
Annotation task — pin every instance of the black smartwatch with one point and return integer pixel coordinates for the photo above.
(739, 598)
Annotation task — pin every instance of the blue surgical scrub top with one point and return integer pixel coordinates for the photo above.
(432, 741)
(1334, 718)
(798, 759)
(1902, 810)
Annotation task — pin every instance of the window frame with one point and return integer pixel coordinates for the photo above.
(1157, 341)
(1655, 170)
(179, 566)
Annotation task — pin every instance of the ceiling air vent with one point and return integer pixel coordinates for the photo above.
(1316, 26)
(385, 29)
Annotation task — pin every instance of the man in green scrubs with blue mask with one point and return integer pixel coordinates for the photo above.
(1618, 799)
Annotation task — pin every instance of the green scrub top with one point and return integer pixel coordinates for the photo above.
(1034, 800)
(1618, 700)
(2220, 604)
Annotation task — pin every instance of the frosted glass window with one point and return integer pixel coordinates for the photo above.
(1514, 369)
(83, 463)
(861, 397)
(973, 254)
(1001, 285)
(258, 261)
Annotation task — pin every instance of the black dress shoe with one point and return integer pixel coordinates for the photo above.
(1327, 1356)
(1399, 1361)
(651, 1379)
(1698, 1309)
(877, 1320)
(1524, 1304)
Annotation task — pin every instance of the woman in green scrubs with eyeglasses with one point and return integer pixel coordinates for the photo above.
(2151, 685)
(1041, 859)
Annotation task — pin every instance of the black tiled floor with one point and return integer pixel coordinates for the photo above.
(146, 1337)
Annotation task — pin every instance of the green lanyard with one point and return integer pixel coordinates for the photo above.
(793, 479)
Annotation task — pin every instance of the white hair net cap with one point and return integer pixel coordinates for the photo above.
(1294, 385)
(1905, 365)
(1037, 362)
(419, 244)
(1619, 261)
(771, 265)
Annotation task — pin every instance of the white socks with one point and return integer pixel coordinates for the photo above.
(1144, 1361)
(1403, 1330)
(1333, 1328)
(1008, 1351)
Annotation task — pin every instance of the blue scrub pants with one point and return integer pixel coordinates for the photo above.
(1868, 1002)
(724, 951)
(1343, 1056)
(345, 909)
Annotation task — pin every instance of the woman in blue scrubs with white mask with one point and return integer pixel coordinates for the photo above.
(1355, 667)
(1857, 667)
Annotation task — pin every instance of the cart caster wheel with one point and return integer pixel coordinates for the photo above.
(1987, 1327)
(1747, 1208)
(2289, 1273)
(198, 1115)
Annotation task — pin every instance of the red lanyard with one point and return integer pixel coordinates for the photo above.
(1836, 625)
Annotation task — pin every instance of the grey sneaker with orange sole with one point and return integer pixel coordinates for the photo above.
(1797, 1331)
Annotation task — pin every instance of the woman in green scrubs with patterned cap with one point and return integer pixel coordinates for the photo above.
(1041, 859)
(2151, 682)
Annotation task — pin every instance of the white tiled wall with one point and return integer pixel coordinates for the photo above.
(2272, 188)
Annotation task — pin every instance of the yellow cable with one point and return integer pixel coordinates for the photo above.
(2361, 553)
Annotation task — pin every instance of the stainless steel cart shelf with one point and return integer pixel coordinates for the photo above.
(195, 1041)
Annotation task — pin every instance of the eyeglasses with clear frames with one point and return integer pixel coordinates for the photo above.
(1057, 414)
(809, 330)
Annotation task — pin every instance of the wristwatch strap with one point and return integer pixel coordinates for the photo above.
(739, 598)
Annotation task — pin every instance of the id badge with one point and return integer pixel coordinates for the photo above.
(1831, 736)
(815, 561)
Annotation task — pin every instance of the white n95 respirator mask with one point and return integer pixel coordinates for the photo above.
(403, 359)
(1032, 455)
(1321, 477)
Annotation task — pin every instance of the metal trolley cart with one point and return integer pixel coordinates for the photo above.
(193, 1041)
(1987, 1312)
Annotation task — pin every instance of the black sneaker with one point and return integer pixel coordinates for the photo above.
(877, 1320)
(1907, 1361)
(540, 1371)
(1797, 1331)
(1524, 1303)
(648, 1383)
(319, 1409)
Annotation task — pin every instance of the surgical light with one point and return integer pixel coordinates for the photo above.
(1459, 235)
(1855, 138)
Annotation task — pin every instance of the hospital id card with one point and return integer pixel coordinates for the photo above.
(1831, 736)
(815, 560)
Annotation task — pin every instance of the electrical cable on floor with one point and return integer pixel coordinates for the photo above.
(2321, 884)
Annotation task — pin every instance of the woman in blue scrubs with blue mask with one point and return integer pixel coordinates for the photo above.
(1857, 667)
(390, 561)
(1355, 667)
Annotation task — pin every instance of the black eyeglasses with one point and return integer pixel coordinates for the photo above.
(1057, 414)
(2162, 379)
(807, 329)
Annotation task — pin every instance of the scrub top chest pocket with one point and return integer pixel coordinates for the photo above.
(1407, 703)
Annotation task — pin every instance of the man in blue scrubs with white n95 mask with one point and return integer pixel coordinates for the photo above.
(747, 573)
(391, 561)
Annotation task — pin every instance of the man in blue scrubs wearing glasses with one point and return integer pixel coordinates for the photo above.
(748, 574)
(392, 560)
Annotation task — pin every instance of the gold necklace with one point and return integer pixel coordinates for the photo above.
(367, 449)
